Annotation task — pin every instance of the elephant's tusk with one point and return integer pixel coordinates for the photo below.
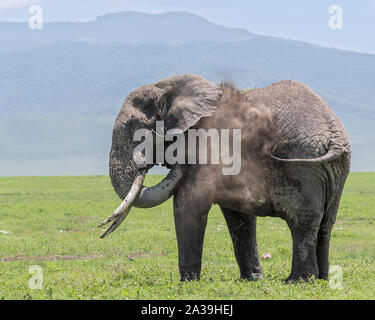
(123, 210)
(115, 224)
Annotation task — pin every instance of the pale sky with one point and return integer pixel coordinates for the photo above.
(305, 20)
(7, 4)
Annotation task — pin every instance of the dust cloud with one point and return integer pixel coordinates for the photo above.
(257, 140)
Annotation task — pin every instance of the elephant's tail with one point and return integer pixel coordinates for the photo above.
(331, 155)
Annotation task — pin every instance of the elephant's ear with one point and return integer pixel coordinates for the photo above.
(186, 100)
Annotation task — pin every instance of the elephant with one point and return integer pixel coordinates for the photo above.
(293, 167)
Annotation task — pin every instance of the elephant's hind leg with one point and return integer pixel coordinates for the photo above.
(304, 235)
(242, 228)
(324, 235)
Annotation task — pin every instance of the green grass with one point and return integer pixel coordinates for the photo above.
(56, 217)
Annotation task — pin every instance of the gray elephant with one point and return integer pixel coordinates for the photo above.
(295, 161)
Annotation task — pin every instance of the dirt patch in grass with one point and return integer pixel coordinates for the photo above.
(87, 218)
(138, 255)
(51, 258)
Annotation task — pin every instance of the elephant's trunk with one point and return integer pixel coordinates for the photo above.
(144, 197)
(150, 197)
(123, 171)
(127, 180)
(127, 176)
(123, 210)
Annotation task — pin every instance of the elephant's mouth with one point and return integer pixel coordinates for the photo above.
(144, 197)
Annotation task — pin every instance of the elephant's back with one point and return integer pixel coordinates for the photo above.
(306, 125)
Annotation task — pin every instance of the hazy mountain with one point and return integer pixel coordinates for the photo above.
(61, 88)
(121, 28)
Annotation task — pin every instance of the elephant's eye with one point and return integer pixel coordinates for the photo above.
(166, 100)
(145, 106)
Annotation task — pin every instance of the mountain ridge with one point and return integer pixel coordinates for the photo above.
(243, 33)
(121, 28)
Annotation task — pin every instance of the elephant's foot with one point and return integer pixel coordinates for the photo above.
(323, 276)
(252, 276)
(189, 276)
(304, 276)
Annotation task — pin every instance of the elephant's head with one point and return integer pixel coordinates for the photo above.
(180, 102)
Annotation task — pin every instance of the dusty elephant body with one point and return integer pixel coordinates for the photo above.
(297, 176)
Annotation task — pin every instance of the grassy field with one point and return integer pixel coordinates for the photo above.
(52, 223)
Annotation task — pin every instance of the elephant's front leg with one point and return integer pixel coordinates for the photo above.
(242, 228)
(190, 216)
